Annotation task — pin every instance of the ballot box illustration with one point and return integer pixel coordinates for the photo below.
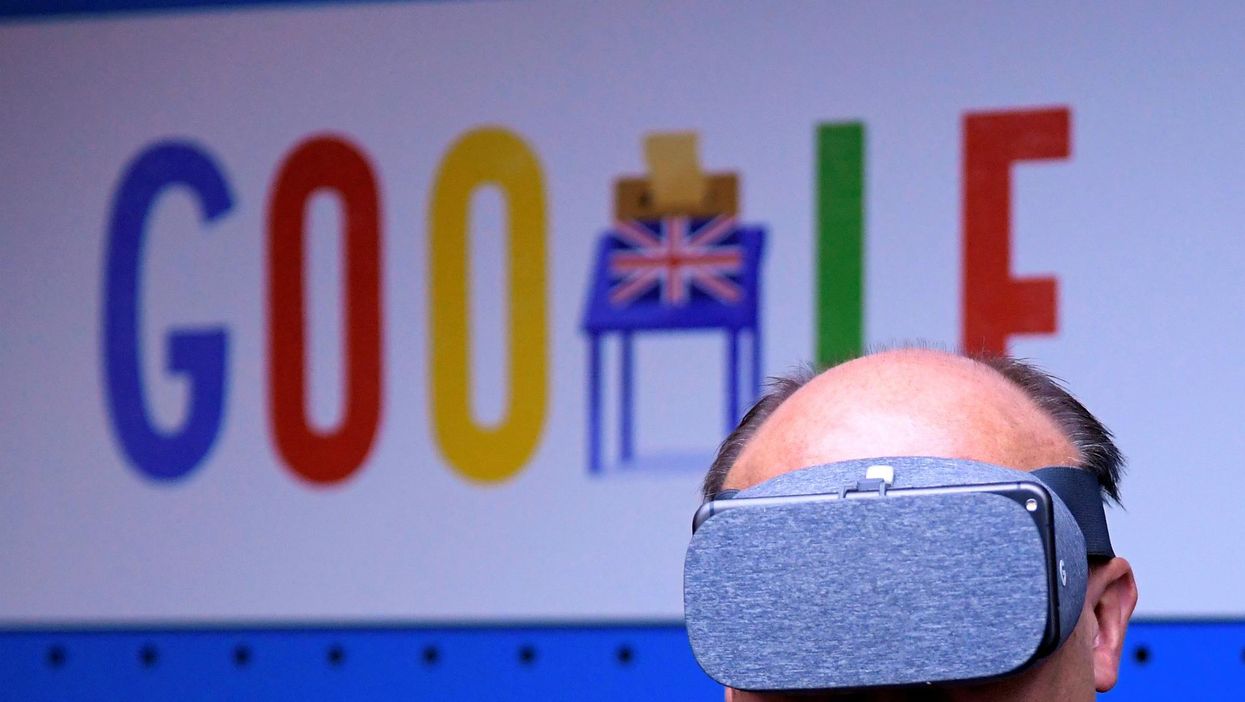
(676, 258)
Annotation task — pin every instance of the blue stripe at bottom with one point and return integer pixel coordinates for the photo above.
(1164, 660)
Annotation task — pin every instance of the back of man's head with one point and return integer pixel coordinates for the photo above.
(919, 402)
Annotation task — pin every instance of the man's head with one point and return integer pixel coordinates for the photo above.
(930, 403)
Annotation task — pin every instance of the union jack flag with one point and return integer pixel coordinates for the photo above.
(675, 260)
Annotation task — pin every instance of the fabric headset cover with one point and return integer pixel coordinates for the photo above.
(756, 581)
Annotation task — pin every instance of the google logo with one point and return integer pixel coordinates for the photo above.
(995, 304)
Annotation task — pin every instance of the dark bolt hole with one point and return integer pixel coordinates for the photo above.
(431, 655)
(527, 654)
(56, 656)
(336, 655)
(241, 655)
(148, 656)
(1141, 654)
(625, 654)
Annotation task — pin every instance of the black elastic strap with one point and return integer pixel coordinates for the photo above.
(1080, 492)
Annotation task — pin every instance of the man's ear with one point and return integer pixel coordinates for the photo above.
(1112, 594)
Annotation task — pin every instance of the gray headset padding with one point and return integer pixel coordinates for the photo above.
(922, 471)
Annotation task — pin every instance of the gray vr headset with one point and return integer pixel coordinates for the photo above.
(888, 572)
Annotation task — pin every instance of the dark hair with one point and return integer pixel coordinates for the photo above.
(777, 390)
(1099, 454)
(1096, 444)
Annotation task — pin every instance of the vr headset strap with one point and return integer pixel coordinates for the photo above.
(1079, 490)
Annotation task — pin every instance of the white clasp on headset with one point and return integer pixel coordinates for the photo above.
(877, 477)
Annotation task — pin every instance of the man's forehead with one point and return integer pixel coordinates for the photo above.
(904, 403)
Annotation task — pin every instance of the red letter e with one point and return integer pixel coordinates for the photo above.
(996, 305)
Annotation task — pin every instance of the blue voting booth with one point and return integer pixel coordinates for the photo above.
(676, 273)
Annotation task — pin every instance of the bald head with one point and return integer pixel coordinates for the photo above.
(911, 402)
(930, 403)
